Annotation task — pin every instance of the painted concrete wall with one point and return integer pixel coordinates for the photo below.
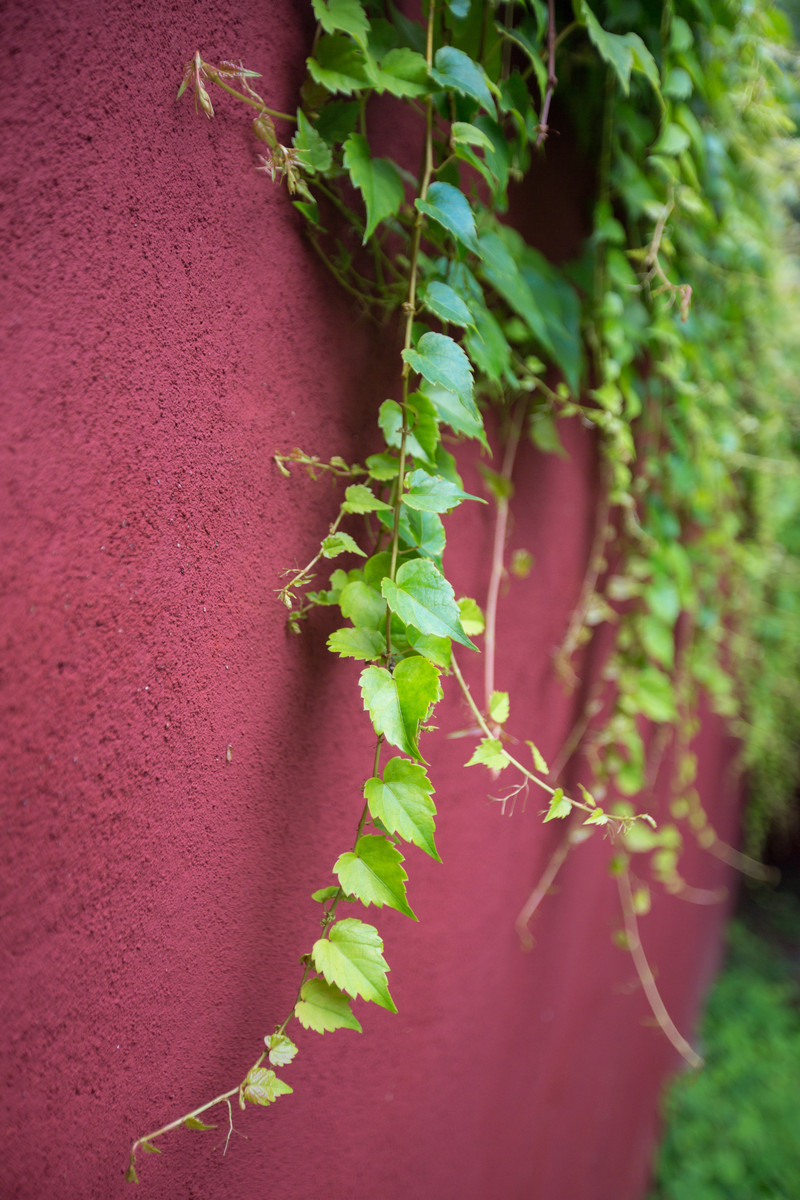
(165, 331)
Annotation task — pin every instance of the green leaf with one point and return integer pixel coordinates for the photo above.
(499, 708)
(560, 806)
(358, 498)
(654, 695)
(489, 753)
(538, 759)
(263, 1087)
(340, 543)
(623, 52)
(446, 304)
(442, 362)
(315, 154)
(351, 958)
(672, 141)
(377, 179)
(281, 1049)
(432, 493)
(339, 64)
(420, 531)
(196, 1123)
(423, 437)
(450, 208)
(597, 817)
(462, 133)
(399, 702)
(455, 71)
(401, 72)
(382, 467)
(323, 1008)
(461, 419)
(345, 16)
(362, 604)
(471, 617)
(327, 893)
(401, 801)
(422, 597)
(149, 1148)
(436, 649)
(364, 644)
(373, 873)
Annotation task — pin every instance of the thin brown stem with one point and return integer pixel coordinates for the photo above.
(498, 554)
(552, 80)
(546, 881)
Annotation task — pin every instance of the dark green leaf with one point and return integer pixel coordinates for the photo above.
(432, 493)
(377, 179)
(455, 71)
(338, 65)
(450, 208)
(443, 363)
(314, 153)
(401, 72)
(345, 16)
(446, 304)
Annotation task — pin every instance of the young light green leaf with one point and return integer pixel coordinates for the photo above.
(596, 817)
(560, 806)
(374, 874)
(450, 208)
(422, 597)
(432, 493)
(401, 801)
(499, 708)
(338, 64)
(443, 363)
(351, 958)
(358, 498)
(340, 543)
(538, 760)
(489, 753)
(345, 16)
(281, 1049)
(377, 179)
(446, 304)
(398, 702)
(149, 1148)
(363, 644)
(455, 71)
(323, 1008)
(263, 1087)
(471, 617)
(196, 1123)
(326, 893)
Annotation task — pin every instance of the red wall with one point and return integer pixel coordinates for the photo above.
(166, 330)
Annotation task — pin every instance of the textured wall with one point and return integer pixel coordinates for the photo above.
(165, 331)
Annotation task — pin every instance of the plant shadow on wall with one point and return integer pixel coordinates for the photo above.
(666, 337)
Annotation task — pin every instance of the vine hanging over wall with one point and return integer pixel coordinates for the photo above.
(660, 337)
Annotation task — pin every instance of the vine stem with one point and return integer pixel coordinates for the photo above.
(498, 555)
(546, 881)
(253, 101)
(552, 80)
(595, 565)
(646, 977)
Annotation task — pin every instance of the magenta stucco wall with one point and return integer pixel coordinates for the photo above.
(165, 331)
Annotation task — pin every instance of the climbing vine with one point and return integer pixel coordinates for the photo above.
(664, 337)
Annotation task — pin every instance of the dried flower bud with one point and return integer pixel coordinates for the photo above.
(204, 99)
(264, 129)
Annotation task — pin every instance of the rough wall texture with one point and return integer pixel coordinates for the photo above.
(166, 330)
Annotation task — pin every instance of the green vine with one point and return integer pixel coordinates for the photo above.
(664, 337)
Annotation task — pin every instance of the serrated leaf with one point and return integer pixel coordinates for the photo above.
(324, 1007)
(499, 708)
(340, 543)
(149, 1148)
(358, 498)
(436, 649)
(399, 702)
(326, 893)
(451, 209)
(377, 179)
(472, 621)
(374, 874)
(345, 16)
(433, 493)
(623, 52)
(443, 363)
(315, 154)
(263, 1086)
(560, 806)
(452, 410)
(196, 1123)
(422, 597)
(466, 134)
(538, 759)
(423, 435)
(401, 72)
(489, 753)
(455, 71)
(281, 1049)
(421, 531)
(401, 801)
(596, 817)
(363, 644)
(446, 304)
(338, 65)
(351, 958)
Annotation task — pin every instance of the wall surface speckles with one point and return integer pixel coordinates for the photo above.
(165, 330)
